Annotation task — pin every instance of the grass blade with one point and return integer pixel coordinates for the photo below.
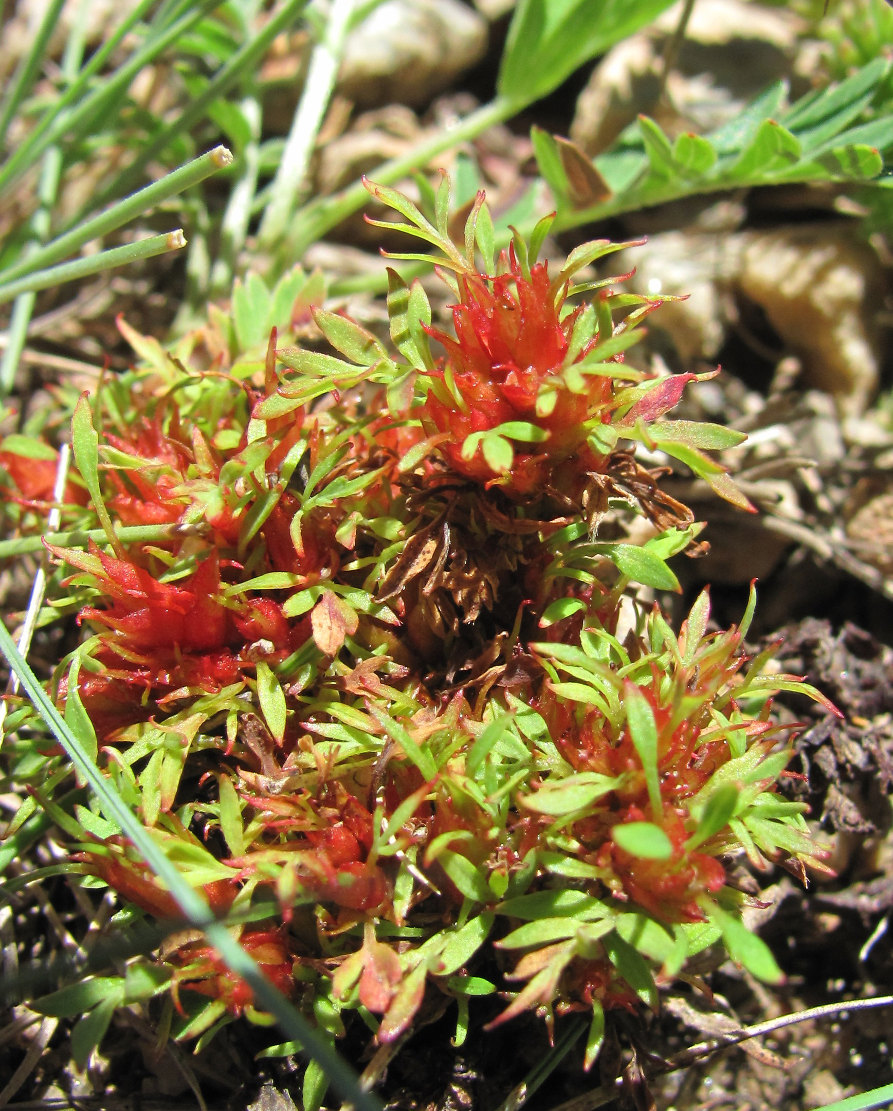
(27, 71)
(94, 264)
(135, 205)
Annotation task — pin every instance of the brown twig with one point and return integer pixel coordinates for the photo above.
(598, 1097)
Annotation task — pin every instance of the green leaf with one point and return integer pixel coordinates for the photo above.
(643, 566)
(250, 311)
(696, 627)
(485, 237)
(76, 717)
(454, 948)
(546, 930)
(643, 839)
(230, 815)
(442, 204)
(544, 904)
(693, 155)
(522, 430)
(568, 794)
(595, 1036)
(696, 434)
(852, 163)
(633, 967)
(718, 811)
(150, 788)
(145, 981)
(772, 148)
(272, 700)
(559, 610)
(75, 999)
(408, 310)
(657, 147)
(746, 948)
(549, 163)
(346, 336)
(482, 744)
(549, 39)
(27, 447)
(498, 453)
(85, 445)
(643, 732)
(414, 751)
(294, 290)
(650, 938)
(314, 1087)
(89, 1031)
(465, 876)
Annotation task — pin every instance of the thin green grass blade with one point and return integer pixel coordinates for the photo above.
(877, 1097)
(29, 67)
(194, 907)
(121, 213)
(94, 264)
(57, 123)
(323, 70)
(246, 60)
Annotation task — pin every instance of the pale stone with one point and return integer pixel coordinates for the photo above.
(819, 288)
(816, 283)
(407, 51)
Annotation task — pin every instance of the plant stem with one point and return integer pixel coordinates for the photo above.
(113, 218)
(57, 124)
(94, 264)
(28, 68)
(80, 538)
(245, 60)
(306, 123)
(327, 212)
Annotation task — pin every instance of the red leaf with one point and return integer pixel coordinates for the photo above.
(404, 1005)
(660, 399)
(332, 620)
(380, 978)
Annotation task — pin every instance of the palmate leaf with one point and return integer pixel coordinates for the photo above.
(816, 139)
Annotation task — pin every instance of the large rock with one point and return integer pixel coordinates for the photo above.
(407, 51)
(816, 284)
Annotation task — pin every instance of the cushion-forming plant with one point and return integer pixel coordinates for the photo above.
(367, 651)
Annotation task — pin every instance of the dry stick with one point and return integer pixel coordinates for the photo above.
(671, 50)
(826, 1010)
(835, 553)
(589, 1101)
(35, 1052)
